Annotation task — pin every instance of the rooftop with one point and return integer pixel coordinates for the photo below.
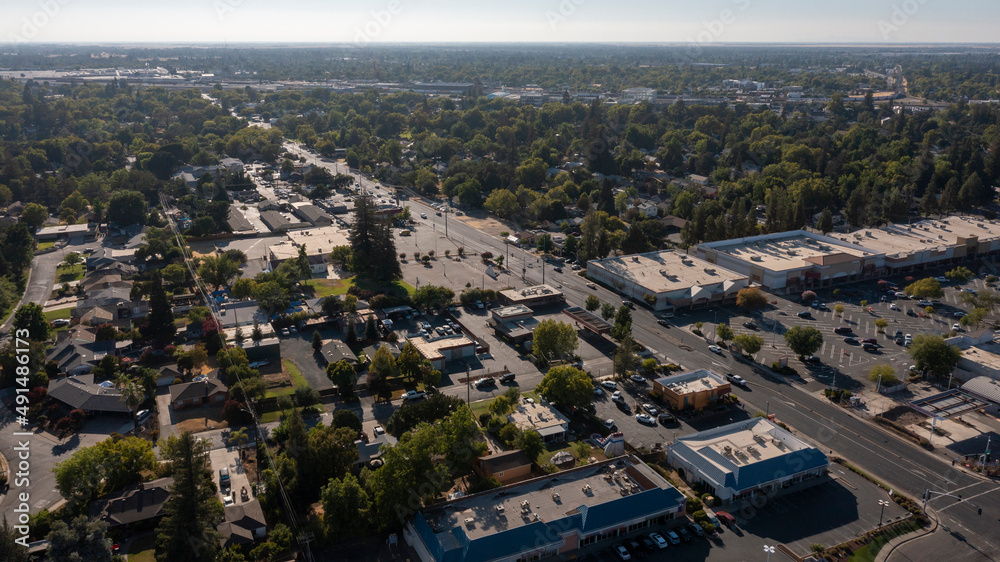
(321, 239)
(509, 311)
(899, 240)
(593, 497)
(693, 381)
(62, 229)
(747, 453)
(530, 293)
(666, 271)
(530, 415)
(431, 348)
(788, 251)
(983, 355)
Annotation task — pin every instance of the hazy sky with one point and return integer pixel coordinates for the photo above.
(187, 21)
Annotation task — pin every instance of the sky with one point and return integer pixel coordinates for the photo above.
(430, 21)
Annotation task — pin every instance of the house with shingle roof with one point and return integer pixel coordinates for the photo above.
(207, 390)
(82, 393)
(136, 504)
(244, 524)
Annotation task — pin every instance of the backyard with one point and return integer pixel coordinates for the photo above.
(334, 287)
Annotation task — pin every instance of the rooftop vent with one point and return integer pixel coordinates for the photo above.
(727, 450)
(756, 258)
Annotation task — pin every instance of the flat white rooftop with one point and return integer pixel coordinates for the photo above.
(693, 381)
(320, 240)
(900, 240)
(666, 271)
(530, 415)
(530, 293)
(987, 356)
(744, 443)
(431, 349)
(789, 251)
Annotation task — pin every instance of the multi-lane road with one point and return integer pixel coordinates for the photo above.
(902, 465)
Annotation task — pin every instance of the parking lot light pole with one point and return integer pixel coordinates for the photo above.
(882, 503)
(768, 550)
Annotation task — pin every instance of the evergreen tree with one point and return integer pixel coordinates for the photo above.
(317, 341)
(371, 330)
(350, 334)
(160, 321)
(187, 529)
(257, 334)
(372, 245)
(949, 197)
(825, 222)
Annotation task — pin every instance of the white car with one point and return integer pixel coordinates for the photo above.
(609, 423)
(646, 419)
(423, 215)
(893, 307)
(673, 537)
(715, 349)
(638, 378)
(650, 409)
(60, 322)
(617, 396)
(598, 391)
(941, 279)
(957, 327)
(413, 394)
(592, 285)
(623, 552)
(658, 540)
(378, 430)
(609, 384)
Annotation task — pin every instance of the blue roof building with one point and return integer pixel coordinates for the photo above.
(550, 516)
(746, 459)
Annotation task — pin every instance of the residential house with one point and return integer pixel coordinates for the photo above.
(338, 351)
(80, 392)
(207, 389)
(141, 503)
(78, 351)
(312, 214)
(243, 524)
(371, 450)
(507, 467)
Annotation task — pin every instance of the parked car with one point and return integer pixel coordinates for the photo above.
(685, 534)
(750, 325)
(142, 416)
(509, 377)
(622, 552)
(609, 423)
(715, 349)
(851, 340)
(805, 314)
(224, 482)
(609, 384)
(60, 322)
(645, 419)
(960, 314)
(665, 418)
(617, 396)
(413, 394)
(957, 327)
(843, 330)
(650, 409)
(696, 529)
(658, 540)
(870, 347)
(673, 537)
(598, 391)
(485, 382)
(378, 430)
(638, 378)
(812, 359)
(940, 279)
(869, 340)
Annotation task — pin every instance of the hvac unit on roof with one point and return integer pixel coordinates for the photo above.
(776, 442)
(555, 497)
(751, 449)
(756, 258)
(727, 450)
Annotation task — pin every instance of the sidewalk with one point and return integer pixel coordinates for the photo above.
(895, 543)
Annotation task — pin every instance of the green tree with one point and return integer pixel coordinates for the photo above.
(132, 394)
(749, 343)
(346, 507)
(804, 340)
(502, 203)
(554, 340)
(592, 303)
(81, 539)
(373, 248)
(371, 330)
(567, 386)
(724, 332)
(885, 373)
(218, 271)
(433, 296)
(8, 545)
(607, 311)
(824, 223)
(160, 324)
(317, 341)
(960, 274)
(343, 375)
(531, 443)
(625, 359)
(411, 364)
(934, 355)
(30, 318)
(927, 288)
(34, 215)
(382, 368)
(243, 289)
(91, 472)
(127, 208)
(187, 528)
(839, 309)
(881, 324)
(72, 259)
(751, 299)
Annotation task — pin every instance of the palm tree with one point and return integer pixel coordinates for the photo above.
(132, 394)
(239, 437)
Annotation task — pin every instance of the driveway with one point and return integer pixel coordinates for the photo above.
(165, 412)
(228, 457)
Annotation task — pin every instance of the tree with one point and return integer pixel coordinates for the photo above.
(72, 259)
(346, 506)
(824, 223)
(317, 341)
(256, 334)
(625, 359)
(411, 364)
(607, 311)
(839, 309)
(884, 373)
(960, 274)
(928, 288)
(111, 464)
(567, 386)
(433, 296)
(34, 215)
(13, 550)
(240, 437)
(622, 328)
(373, 249)
(346, 418)
(187, 528)
(382, 368)
(343, 375)
(749, 343)
(218, 271)
(807, 297)
(127, 208)
(724, 332)
(242, 289)
(934, 355)
(592, 303)
(160, 324)
(81, 540)
(751, 299)
(804, 340)
(132, 394)
(30, 318)
(554, 340)
(531, 442)
(502, 202)
(881, 324)
(371, 330)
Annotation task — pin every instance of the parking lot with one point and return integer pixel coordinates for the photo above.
(848, 362)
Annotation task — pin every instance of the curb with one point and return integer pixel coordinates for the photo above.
(891, 546)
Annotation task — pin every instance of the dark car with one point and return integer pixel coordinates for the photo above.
(851, 340)
(899, 341)
(870, 347)
(663, 322)
(823, 307)
(843, 330)
(558, 270)
(812, 359)
(869, 340)
(909, 312)
(629, 304)
(805, 314)
(509, 377)
(750, 325)
(685, 534)
(666, 417)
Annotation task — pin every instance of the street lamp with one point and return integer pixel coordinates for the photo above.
(882, 503)
(768, 550)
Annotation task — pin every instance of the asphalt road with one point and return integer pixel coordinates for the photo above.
(41, 277)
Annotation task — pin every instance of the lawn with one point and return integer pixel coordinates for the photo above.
(294, 375)
(57, 314)
(67, 274)
(143, 550)
(46, 245)
(335, 287)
